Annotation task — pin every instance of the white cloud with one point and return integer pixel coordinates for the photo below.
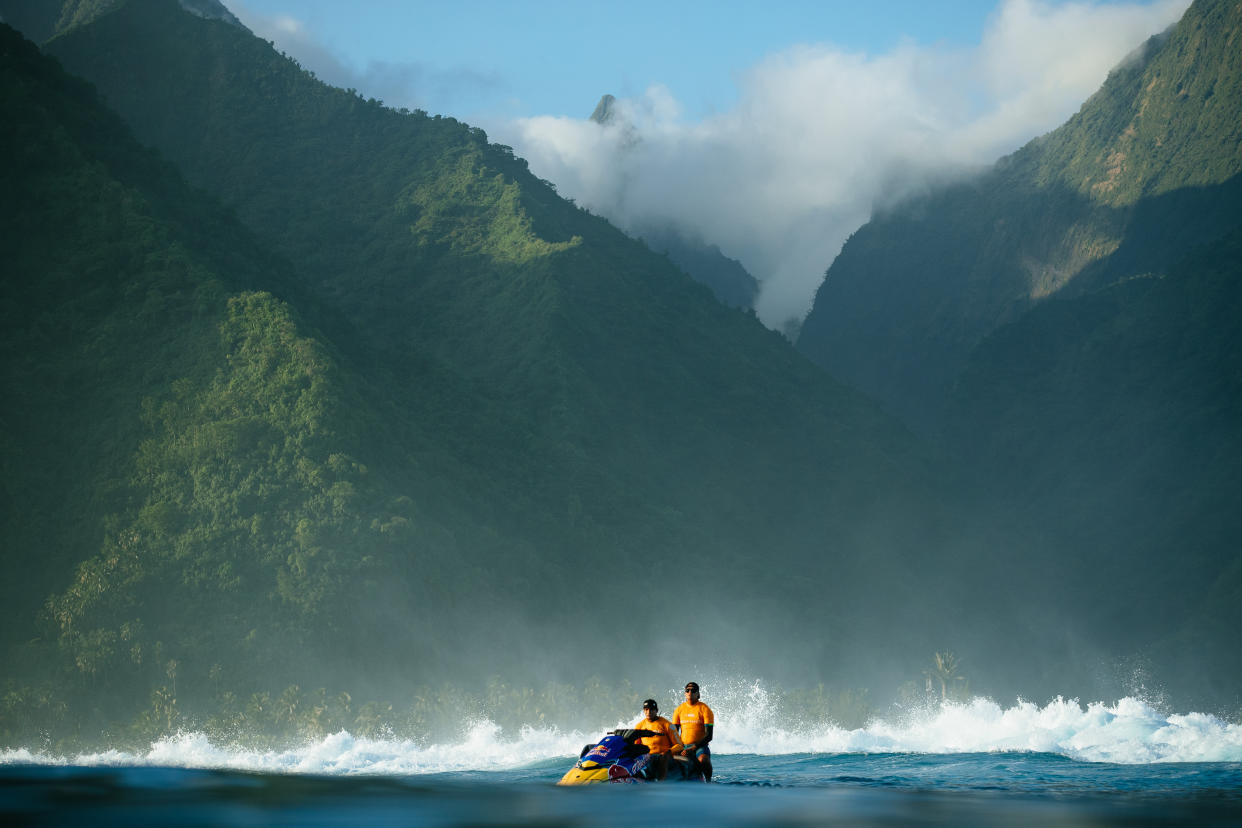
(819, 135)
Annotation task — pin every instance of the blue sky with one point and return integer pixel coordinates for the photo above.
(770, 129)
(482, 58)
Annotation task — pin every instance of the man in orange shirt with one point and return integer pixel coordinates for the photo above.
(664, 743)
(694, 721)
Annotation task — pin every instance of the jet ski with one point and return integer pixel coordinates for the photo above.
(619, 758)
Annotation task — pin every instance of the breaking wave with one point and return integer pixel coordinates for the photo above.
(1131, 731)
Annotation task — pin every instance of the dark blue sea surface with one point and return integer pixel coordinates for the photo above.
(994, 788)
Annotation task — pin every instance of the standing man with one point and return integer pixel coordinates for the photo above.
(694, 721)
(664, 743)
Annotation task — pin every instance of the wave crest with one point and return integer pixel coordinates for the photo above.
(1130, 731)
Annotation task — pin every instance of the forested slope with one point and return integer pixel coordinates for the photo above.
(1066, 326)
(438, 244)
(1108, 428)
(179, 455)
(318, 394)
(1146, 169)
(395, 413)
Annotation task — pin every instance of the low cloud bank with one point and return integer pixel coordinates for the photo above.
(819, 136)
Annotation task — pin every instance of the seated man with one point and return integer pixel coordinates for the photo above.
(694, 722)
(664, 743)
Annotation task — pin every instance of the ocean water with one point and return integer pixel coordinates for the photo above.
(977, 763)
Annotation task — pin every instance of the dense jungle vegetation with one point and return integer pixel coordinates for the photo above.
(400, 413)
(323, 415)
(1061, 326)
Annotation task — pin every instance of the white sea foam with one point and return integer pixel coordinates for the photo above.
(748, 722)
(1130, 731)
(483, 748)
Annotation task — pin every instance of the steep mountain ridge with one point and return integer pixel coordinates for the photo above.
(180, 450)
(410, 263)
(705, 263)
(1110, 423)
(919, 286)
(374, 406)
(1165, 120)
(434, 410)
(1064, 325)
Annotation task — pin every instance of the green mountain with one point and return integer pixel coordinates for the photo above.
(180, 451)
(1147, 169)
(1064, 325)
(1107, 428)
(319, 414)
(597, 369)
(364, 405)
(705, 263)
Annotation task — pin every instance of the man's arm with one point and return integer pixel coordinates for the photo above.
(674, 739)
(682, 745)
(707, 729)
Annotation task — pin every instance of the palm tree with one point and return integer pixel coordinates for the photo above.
(945, 671)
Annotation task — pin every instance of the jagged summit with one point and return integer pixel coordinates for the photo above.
(605, 111)
(703, 261)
